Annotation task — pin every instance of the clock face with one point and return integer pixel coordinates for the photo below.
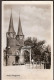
(21, 37)
(11, 35)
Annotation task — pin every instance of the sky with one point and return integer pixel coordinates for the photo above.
(35, 20)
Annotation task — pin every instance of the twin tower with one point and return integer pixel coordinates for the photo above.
(14, 43)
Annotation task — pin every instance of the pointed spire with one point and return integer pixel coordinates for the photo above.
(11, 28)
(19, 28)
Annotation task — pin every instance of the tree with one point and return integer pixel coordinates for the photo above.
(47, 57)
(36, 47)
(28, 42)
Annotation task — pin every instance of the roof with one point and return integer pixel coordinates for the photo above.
(11, 28)
(19, 28)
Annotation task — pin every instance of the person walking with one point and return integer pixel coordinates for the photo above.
(32, 61)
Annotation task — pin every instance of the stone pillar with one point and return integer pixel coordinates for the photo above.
(21, 58)
(30, 56)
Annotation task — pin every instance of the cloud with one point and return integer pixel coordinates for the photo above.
(35, 20)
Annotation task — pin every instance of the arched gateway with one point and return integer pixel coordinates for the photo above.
(22, 54)
(14, 52)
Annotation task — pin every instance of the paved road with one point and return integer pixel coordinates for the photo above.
(24, 72)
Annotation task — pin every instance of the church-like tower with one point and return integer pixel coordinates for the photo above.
(14, 43)
(20, 36)
(11, 33)
(11, 27)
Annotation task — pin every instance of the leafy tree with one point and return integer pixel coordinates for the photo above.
(28, 42)
(36, 47)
